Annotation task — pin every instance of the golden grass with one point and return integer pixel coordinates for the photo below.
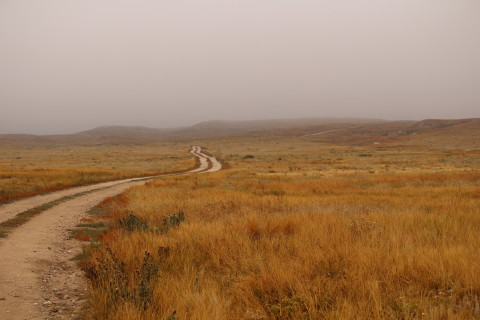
(299, 231)
(27, 171)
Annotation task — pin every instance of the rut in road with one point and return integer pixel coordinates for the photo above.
(38, 279)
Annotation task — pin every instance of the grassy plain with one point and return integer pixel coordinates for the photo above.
(295, 229)
(27, 170)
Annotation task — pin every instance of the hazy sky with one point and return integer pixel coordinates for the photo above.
(70, 65)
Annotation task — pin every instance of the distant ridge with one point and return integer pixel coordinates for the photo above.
(429, 124)
(125, 130)
(352, 130)
(22, 138)
(273, 124)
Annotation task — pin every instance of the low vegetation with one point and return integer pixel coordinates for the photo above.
(300, 230)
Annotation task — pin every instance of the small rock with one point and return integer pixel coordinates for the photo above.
(65, 297)
(47, 303)
(1, 299)
(35, 303)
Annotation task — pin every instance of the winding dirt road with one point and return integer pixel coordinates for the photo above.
(38, 279)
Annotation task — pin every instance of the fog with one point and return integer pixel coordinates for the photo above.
(68, 65)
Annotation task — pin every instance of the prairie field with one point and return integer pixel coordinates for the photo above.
(27, 170)
(294, 229)
(240, 160)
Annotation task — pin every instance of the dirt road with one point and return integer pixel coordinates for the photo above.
(215, 165)
(38, 279)
(324, 132)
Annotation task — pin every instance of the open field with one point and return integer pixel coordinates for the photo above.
(334, 221)
(295, 229)
(240, 160)
(27, 170)
(31, 165)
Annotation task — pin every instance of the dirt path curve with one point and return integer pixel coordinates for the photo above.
(10, 210)
(38, 279)
(197, 151)
(216, 166)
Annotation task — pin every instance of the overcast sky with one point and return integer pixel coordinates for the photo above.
(71, 65)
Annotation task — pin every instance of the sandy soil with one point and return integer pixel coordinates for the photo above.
(38, 279)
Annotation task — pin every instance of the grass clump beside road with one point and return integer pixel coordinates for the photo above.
(301, 243)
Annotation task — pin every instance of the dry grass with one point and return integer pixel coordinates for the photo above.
(27, 170)
(298, 231)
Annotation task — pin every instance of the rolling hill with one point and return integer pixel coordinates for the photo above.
(349, 131)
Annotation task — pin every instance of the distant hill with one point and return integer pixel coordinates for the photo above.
(216, 128)
(433, 124)
(433, 132)
(22, 138)
(256, 125)
(125, 131)
(123, 134)
(348, 131)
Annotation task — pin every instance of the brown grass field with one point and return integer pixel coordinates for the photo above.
(296, 228)
(28, 170)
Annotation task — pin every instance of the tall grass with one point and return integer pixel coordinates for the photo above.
(288, 246)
